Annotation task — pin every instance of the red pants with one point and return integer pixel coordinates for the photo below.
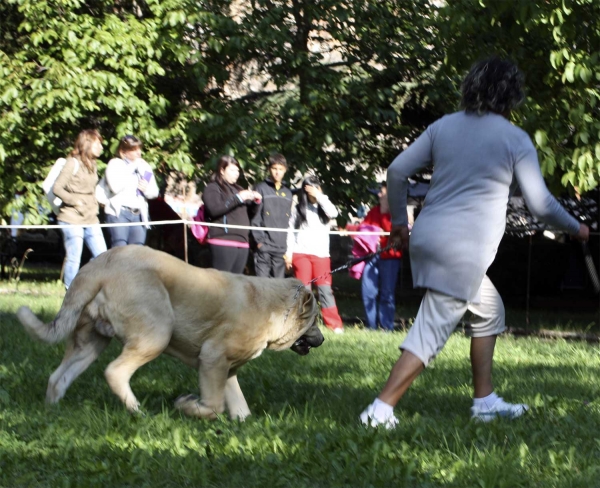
(308, 267)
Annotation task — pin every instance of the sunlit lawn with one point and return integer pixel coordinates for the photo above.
(304, 429)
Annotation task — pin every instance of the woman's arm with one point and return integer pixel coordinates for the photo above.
(61, 184)
(539, 200)
(117, 175)
(414, 158)
(327, 206)
(219, 203)
(151, 190)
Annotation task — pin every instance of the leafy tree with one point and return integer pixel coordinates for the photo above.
(185, 76)
(66, 65)
(556, 44)
(338, 87)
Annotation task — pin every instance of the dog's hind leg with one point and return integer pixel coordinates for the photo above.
(213, 372)
(135, 354)
(83, 348)
(234, 399)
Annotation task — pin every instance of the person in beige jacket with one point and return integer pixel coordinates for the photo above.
(76, 186)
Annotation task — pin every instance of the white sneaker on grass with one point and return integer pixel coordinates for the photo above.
(339, 330)
(499, 409)
(369, 419)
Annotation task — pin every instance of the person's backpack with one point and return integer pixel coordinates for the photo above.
(48, 184)
(103, 192)
(200, 232)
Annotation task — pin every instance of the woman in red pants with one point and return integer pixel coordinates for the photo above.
(308, 246)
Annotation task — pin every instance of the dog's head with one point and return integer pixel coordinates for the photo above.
(311, 336)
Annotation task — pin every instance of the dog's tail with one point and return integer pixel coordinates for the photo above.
(76, 299)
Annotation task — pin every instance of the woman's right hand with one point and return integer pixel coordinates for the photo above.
(584, 233)
(288, 261)
(399, 237)
(246, 195)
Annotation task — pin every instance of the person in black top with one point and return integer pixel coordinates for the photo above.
(226, 202)
(274, 211)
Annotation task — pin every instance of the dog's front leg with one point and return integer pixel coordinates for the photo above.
(213, 372)
(234, 399)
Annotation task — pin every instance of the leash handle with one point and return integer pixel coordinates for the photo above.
(591, 267)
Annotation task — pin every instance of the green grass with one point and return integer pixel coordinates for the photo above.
(304, 430)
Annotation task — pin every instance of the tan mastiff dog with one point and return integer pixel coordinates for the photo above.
(154, 303)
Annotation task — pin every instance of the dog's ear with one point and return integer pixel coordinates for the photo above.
(308, 307)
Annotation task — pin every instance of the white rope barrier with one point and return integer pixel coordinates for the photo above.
(212, 224)
(181, 222)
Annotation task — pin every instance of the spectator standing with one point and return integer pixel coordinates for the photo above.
(131, 183)
(274, 211)
(476, 153)
(76, 187)
(308, 248)
(226, 202)
(380, 274)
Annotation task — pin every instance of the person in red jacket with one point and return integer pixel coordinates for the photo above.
(380, 274)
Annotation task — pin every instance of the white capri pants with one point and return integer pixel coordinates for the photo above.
(439, 314)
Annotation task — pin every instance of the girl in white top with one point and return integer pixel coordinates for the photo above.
(131, 183)
(308, 246)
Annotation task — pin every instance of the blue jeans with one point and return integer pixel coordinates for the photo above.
(378, 291)
(123, 235)
(73, 238)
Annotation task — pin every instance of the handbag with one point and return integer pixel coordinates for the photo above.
(199, 231)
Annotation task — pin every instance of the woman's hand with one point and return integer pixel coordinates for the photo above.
(399, 237)
(312, 191)
(288, 261)
(142, 185)
(246, 195)
(584, 233)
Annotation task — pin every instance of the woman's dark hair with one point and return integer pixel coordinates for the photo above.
(222, 163)
(492, 85)
(128, 143)
(303, 203)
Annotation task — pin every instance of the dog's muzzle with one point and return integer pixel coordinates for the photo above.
(311, 338)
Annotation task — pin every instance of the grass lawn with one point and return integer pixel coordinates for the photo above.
(304, 430)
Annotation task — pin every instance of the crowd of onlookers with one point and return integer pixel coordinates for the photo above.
(249, 218)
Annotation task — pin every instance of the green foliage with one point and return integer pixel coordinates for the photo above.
(323, 82)
(338, 87)
(556, 44)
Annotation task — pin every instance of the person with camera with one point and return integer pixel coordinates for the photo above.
(226, 202)
(308, 246)
(131, 184)
(476, 154)
(274, 212)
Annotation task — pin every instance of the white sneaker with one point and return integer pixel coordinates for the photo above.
(339, 330)
(368, 418)
(499, 409)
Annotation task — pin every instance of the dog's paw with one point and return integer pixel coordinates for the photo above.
(139, 413)
(133, 406)
(192, 406)
(190, 397)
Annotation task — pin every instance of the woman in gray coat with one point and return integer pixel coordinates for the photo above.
(477, 154)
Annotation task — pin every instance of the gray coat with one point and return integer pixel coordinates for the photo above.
(455, 237)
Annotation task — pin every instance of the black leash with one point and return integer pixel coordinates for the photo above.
(347, 265)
